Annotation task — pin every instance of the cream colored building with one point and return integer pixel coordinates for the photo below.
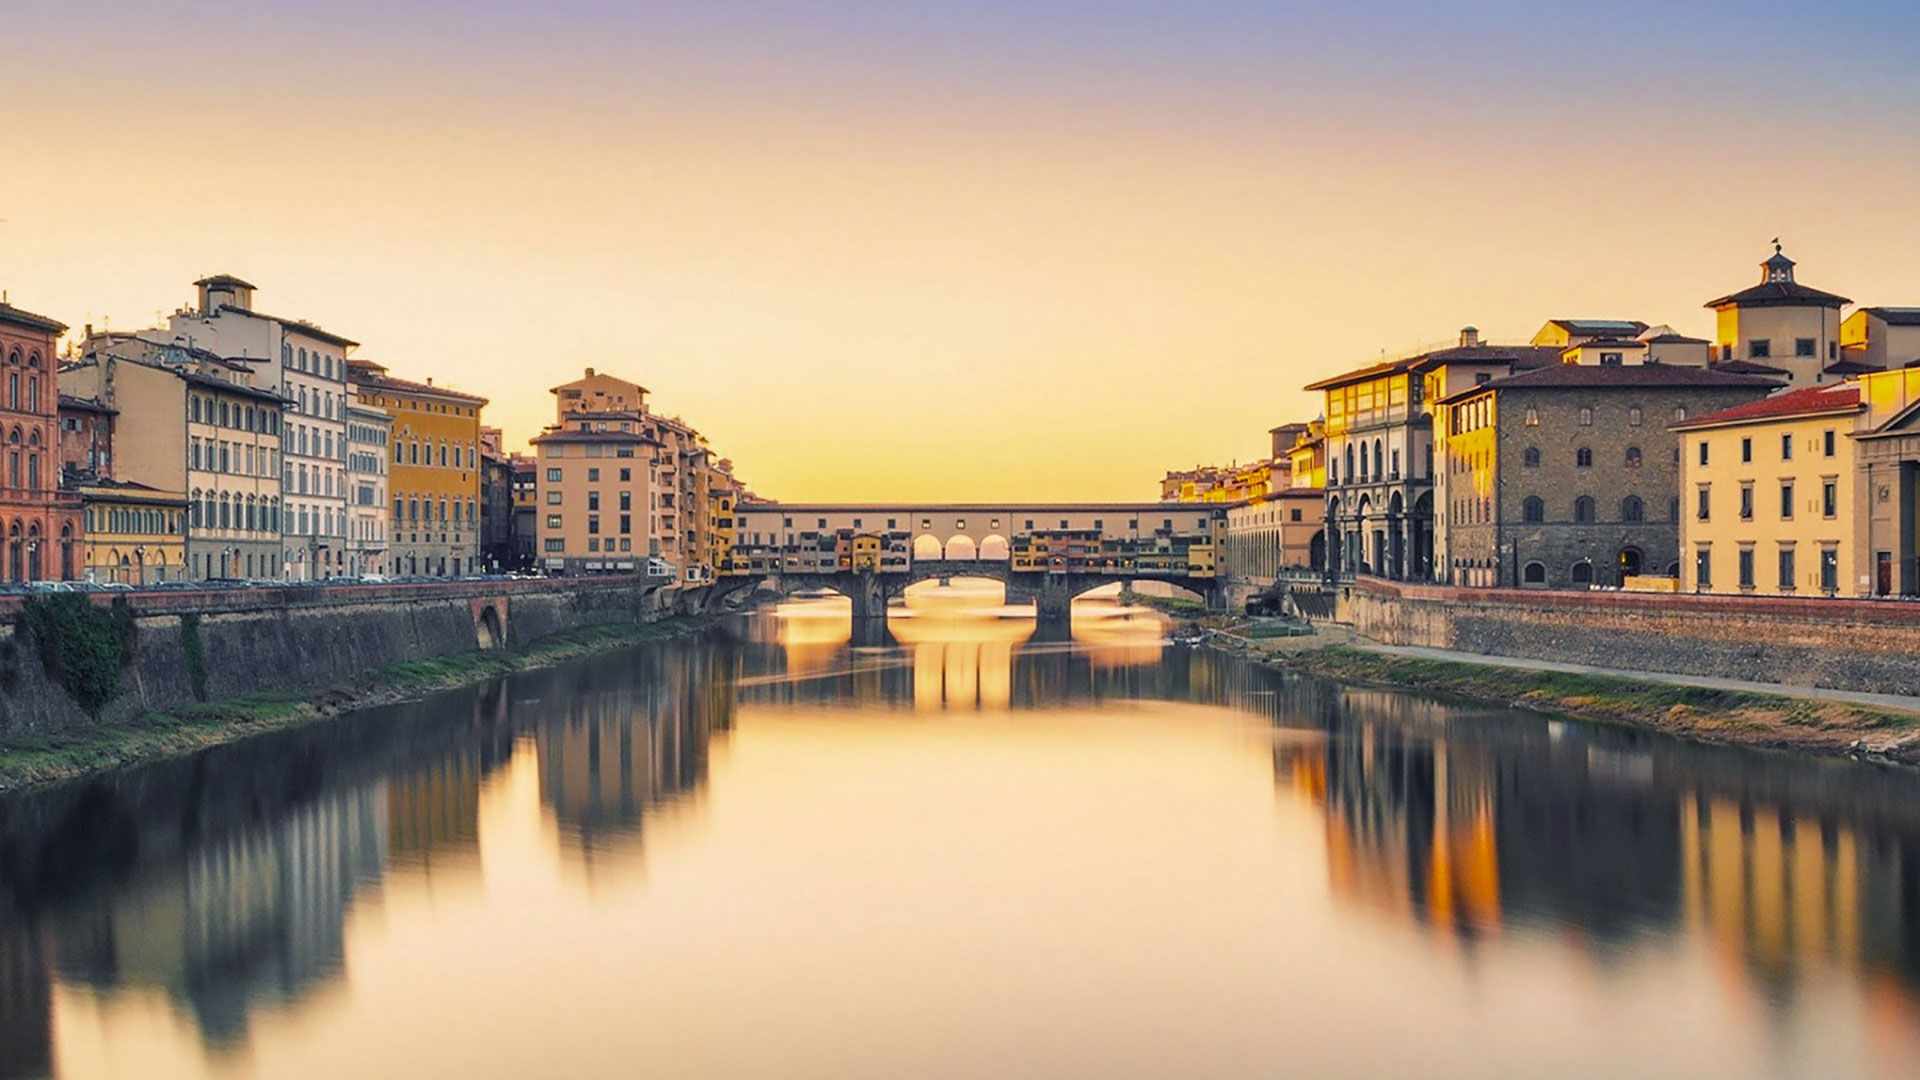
(1768, 502)
(1810, 492)
(1881, 337)
(1782, 324)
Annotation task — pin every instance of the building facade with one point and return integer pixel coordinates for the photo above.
(1780, 323)
(307, 367)
(1769, 498)
(433, 480)
(1379, 454)
(1567, 476)
(596, 480)
(39, 527)
(369, 444)
(135, 535)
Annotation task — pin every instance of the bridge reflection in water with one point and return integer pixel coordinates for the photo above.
(955, 643)
(526, 848)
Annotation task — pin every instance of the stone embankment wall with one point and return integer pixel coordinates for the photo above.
(276, 638)
(1864, 645)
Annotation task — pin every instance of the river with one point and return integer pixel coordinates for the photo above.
(962, 845)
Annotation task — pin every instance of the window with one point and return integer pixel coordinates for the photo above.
(1703, 502)
(553, 476)
(1583, 458)
(1533, 417)
(1786, 500)
(1535, 573)
(1703, 451)
(1586, 416)
(1829, 498)
(1534, 510)
(553, 498)
(1803, 346)
(1635, 416)
(1759, 349)
(1633, 457)
(1611, 359)
(1703, 567)
(1581, 573)
(1531, 457)
(1746, 502)
(1827, 443)
(1786, 569)
(1679, 414)
(1829, 570)
(1746, 568)
(1746, 449)
(1632, 509)
(553, 521)
(1786, 447)
(1583, 510)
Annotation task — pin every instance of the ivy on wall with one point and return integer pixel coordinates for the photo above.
(82, 647)
(194, 653)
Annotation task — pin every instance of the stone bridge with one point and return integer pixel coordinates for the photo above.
(1050, 592)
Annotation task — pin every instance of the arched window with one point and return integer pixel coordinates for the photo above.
(1679, 413)
(1586, 416)
(1533, 417)
(1534, 509)
(1379, 470)
(1583, 457)
(1633, 457)
(1635, 416)
(1535, 573)
(1583, 510)
(1632, 509)
(1581, 573)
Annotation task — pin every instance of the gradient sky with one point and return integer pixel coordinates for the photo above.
(922, 250)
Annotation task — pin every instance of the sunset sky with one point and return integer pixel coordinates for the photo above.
(921, 250)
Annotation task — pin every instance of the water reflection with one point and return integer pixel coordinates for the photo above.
(1060, 814)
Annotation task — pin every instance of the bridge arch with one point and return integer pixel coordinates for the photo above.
(960, 547)
(995, 547)
(488, 632)
(926, 548)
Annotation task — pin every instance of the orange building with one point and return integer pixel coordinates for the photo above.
(40, 527)
(434, 478)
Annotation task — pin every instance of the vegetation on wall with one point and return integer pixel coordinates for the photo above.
(81, 646)
(194, 653)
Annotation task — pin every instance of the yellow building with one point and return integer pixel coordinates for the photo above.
(1767, 496)
(1307, 457)
(135, 534)
(434, 477)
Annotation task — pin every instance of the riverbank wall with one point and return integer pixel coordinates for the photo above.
(185, 646)
(1863, 645)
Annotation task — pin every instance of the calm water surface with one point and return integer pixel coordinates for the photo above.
(960, 847)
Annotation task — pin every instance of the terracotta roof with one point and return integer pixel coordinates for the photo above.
(1812, 400)
(295, 326)
(1388, 367)
(1675, 339)
(225, 279)
(1848, 367)
(1605, 343)
(564, 436)
(1599, 326)
(362, 375)
(1519, 356)
(17, 317)
(1895, 316)
(1779, 294)
(1628, 376)
(1748, 367)
(72, 401)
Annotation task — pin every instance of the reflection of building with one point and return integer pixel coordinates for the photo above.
(622, 750)
(26, 1002)
(257, 915)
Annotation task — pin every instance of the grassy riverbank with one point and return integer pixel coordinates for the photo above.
(1706, 714)
(35, 760)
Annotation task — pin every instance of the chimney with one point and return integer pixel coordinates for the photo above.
(1469, 336)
